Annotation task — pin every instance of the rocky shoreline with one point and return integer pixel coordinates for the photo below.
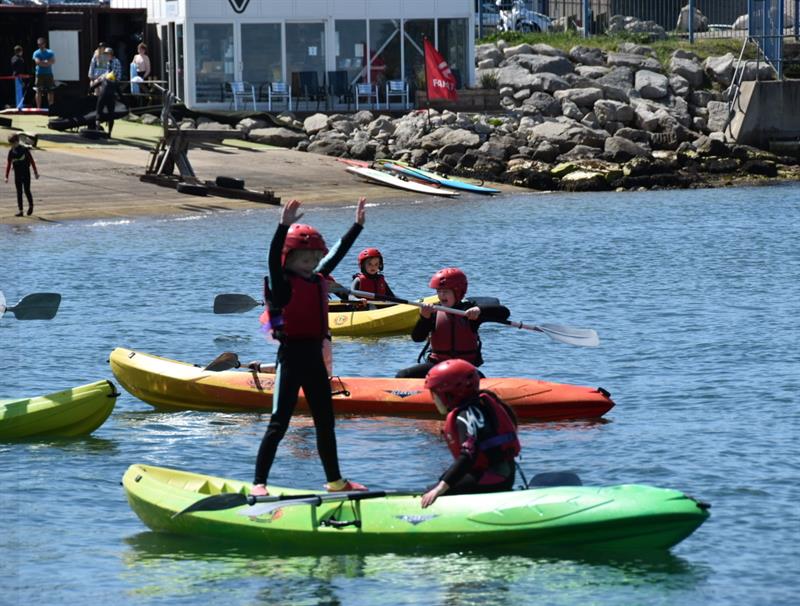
(579, 121)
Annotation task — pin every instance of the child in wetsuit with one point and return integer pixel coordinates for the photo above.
(107, 93)
(480, 429)
(370, 278)
(299, 263)
(450, 336)
(20, 158)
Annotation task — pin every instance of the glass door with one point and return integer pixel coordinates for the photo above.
(213, 60)
(179, 69)
(261, 53)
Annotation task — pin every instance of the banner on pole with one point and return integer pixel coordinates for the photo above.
(441, 81)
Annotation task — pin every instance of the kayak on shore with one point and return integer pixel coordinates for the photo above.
(622, 517)
(72, 412)
(173, 385)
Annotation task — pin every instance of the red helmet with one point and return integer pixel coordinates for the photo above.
(302, 237)
(368, 253)
(453, 381)
(452, 278)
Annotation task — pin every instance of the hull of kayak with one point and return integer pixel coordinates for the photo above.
(626, 517)
(172, 385)
(387, 320)
(72, 412)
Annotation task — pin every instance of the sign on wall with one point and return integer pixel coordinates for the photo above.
(239, 6)
(64, 43)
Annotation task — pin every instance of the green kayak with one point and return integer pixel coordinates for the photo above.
(72, 412)
(539, 519)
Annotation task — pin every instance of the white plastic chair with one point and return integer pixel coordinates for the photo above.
(242, 90)
(279, 90)
(370, 91)
(397, 88)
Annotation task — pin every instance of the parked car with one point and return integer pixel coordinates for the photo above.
(490, 13)
(515, 16)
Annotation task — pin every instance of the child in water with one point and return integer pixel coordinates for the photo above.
(370, 278)
(450, 336)
(20, 158)
(299, 263)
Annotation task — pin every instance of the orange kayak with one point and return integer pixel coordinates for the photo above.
(172, 385)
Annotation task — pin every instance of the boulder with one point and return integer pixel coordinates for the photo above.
(546, 49)
(718, 113)
(542, 63)
(528, 173)
(679, 86)
(566, 134)
(687, 68)
(585, 55)
(571, 110)
(651, 85)
(488, 52)
(700, 23)
(632, 48)
(592, 71)
(515, 76)
(315, 123)
(642, 137)
(633, 61)
(612, 111)
(579, 152)
(585, 97)
(544, 103)
(619, 149)
(518, 49)
(486, 64)
(211, 125)
(583, 180)
(457, 138)
(278, 136)
(545, 152)
(720, 69)
(247, 124)
(548, 83)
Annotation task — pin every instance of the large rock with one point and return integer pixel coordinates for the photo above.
(691, 70)
(454, 138)
(612, 111)
(488, 52)
(585, 97)
(720, 69)
(566, 134)
(651, 85)
(315, 123)
(585, 55)
(679, 86)
(592, 71)
(636, 49)
(617, 84)
(515, 76)
(634, 61)
(700, 23)
(717, 115)
(543, 103)
(619, 149)
(278, 136)
(571, 110)
(548, 83)
(542, 63)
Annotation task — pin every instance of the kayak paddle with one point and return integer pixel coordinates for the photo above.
(228, 360)
(229, 500)
(36, 306)
(582, 337)
(232, 303)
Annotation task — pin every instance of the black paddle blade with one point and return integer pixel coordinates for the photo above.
(555, 478)
(234, 304)
(224, 361)
(37, 306)
(225, 500)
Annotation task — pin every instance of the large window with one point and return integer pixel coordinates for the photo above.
(179, 70)
(384, 51)
(305, 51)
(213, 52)
(351, 44)
(262, 48)
(453, 46)
(415, 30)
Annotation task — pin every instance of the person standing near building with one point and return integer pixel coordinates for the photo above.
(19, 71)
(98, 65)
(142, 62)
(114, 64)
(44, 59)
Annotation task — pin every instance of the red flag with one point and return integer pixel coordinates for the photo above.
(441, 81)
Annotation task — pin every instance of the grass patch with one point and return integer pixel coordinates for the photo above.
(702, 47)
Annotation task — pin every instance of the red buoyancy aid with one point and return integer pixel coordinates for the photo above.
(305, 316)
(505, 432)
(453, 337)
(375, 284)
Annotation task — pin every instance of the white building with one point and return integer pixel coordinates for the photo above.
(208, 43)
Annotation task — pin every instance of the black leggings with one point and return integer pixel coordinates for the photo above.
(300, 364)
(22, 180)
(109, 105)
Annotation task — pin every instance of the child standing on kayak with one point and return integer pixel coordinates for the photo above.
(450, 336)
(370, 278)
(480, 429)
(299, 263)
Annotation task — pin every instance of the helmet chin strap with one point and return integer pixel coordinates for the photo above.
(440, 405)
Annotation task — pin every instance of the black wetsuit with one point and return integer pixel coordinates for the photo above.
(475, 423)
(299, 364)
(424, 327)
(21, 160)
(108, 92)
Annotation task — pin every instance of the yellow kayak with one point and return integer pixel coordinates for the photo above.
(347, 320)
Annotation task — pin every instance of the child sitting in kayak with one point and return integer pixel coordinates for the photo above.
(299, 262)
(450, 336)
(370, 278)
(480, 429)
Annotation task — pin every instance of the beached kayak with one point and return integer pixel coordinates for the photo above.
(173, 385)
(407, 170)
(627, 517)
(72, 412)
(347, 320)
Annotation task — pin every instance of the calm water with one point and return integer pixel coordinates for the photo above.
(695, 296)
